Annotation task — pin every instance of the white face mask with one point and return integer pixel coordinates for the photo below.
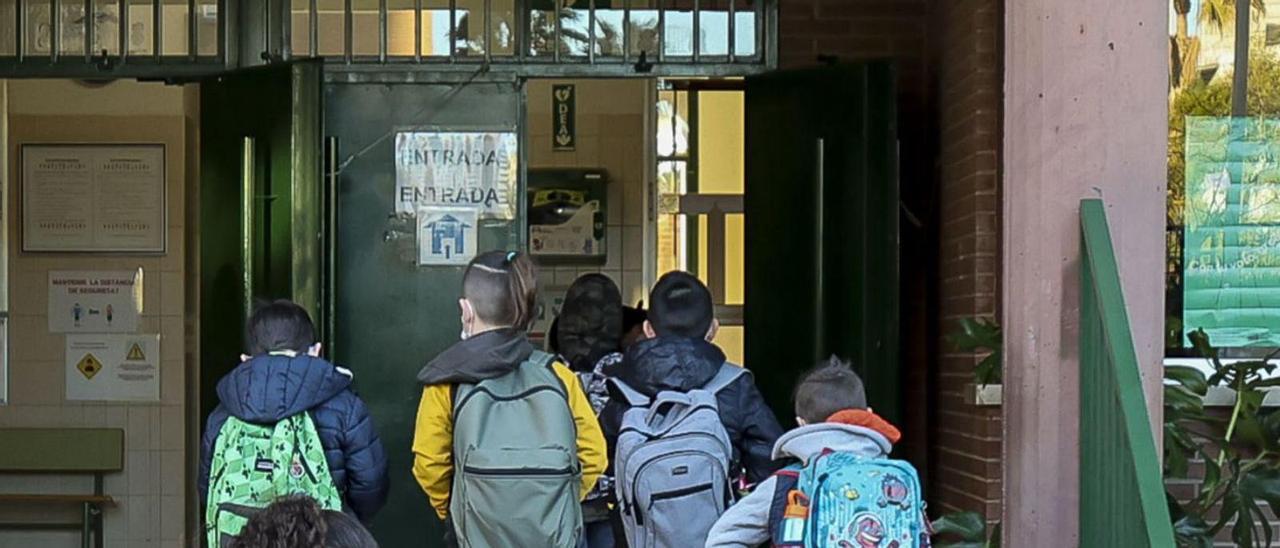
(464, 335)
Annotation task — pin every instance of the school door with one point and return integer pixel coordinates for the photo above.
(260, 201)
(398, 276)
(821, 205)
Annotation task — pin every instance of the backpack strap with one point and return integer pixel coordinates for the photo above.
(633, 397)
(727, 374)
(786, 480)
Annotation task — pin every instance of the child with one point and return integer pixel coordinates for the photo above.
(282, 385)
(840, 435)
(506, 444)
(589, 337)
(677, 370)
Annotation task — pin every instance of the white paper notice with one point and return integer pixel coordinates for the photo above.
(107, 198)
(113, 367)
(95, 301)
(442, 168)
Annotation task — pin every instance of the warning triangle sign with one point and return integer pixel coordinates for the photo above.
(135, 354)
(89, 366)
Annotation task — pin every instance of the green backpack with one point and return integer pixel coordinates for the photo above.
(255, 464)
(517, 476)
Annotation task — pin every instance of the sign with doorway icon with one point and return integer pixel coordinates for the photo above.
(447, 235)
(113, 367)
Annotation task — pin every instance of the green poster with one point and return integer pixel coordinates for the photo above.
(1231, 267)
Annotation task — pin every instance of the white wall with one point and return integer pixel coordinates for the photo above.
(151, 491)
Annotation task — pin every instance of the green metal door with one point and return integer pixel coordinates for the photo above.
(392, 315)
(259, 201)
(822, 228)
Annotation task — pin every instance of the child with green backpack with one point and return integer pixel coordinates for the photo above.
(287, 423)
(506, 444)
(842, 489)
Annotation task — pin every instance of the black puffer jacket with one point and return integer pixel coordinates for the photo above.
(679, 364)
(267, 389)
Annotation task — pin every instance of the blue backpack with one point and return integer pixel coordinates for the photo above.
(844, 500)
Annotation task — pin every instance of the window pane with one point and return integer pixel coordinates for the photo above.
(469, 27)
(300, 28)
(720, 142)
(574, 28)
(8, 34)
(730, 339)
(71, 28)
(141, 34)
(332, 26)
(643, 29)
(673, 127)
(37, 40)
(207, 27)
(713, 29)
(364, 23)
(400, 34)
(175, 28)
(744, 29)
(609, 25)
(677, 34)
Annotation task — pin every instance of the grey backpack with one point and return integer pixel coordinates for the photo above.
(672, 464)
(516, 475)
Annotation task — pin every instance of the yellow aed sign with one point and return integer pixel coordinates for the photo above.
(135, 354)
(89, 366)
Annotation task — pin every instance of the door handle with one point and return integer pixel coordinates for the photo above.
(248, 176)
(819, 267)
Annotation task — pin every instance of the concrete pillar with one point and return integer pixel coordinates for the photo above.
(1085, 115)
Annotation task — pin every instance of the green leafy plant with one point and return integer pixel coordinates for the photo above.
(965, 530)
(1241, 454)
(981, 335)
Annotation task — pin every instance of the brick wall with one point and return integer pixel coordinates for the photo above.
(965, 456)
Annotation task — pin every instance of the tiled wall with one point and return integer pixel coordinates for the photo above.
(151, 491)
(611, 135)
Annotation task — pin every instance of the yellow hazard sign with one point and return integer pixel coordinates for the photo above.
(89, 366)
(135, 354)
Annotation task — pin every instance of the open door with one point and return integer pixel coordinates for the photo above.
(822, 228)
(261, 204)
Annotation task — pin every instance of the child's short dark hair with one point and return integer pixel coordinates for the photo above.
(279, 325)
(829, 387)
(680, 305)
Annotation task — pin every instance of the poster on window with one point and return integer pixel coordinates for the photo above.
(1231, 231)
(457, 169)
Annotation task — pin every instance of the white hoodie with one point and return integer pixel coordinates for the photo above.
(746, 523)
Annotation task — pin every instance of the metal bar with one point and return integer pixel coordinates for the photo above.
(591, 32)
(733, 37)
(55, 29)
(248, 174)
(98, 541)
(662, 30)
(266, 26)
(697, 30)
(286, 29)
(20, 24)
(348, 44)
(715, 255)
(626, 31)
(382, 31)
(417, 31)
(88, 31)
(488, 31)
(193, 31)
(819, 312)
(157, 30)
(314, 28)
(122, 20)
(555, 44)
(86, 530)
(331, 228)
(453, 30)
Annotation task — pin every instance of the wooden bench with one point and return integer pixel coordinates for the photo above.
(65, 451)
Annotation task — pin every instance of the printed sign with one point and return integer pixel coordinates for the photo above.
(113, 367)
(578, 236)
(95, 301)
(93, 198)
(564, 111)
(447, 235)
(461, 169)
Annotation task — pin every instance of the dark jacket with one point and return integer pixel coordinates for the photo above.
(267, 389)
(680, 364)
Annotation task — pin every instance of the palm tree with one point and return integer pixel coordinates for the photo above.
(1214, 14)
